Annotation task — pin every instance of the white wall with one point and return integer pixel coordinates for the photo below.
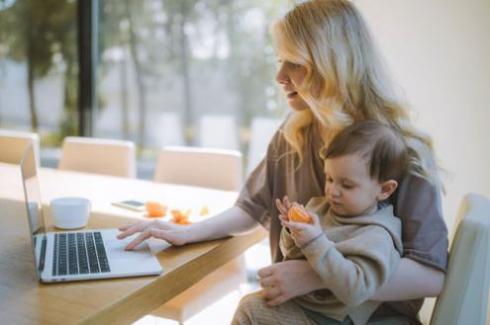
(439, 53)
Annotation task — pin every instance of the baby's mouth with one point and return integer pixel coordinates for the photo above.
(292, 94)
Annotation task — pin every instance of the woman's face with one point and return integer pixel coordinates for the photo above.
(290, 76)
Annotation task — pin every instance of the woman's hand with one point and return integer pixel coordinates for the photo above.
(174, 234)
(286, 280)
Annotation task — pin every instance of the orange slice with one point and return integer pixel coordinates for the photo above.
(155, 209)
(297, 214)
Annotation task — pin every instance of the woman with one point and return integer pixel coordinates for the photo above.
(331, 75)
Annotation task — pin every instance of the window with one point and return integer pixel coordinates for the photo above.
(185, 72)
(170, 72)
(39, 68)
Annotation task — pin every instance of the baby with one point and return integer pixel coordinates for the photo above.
(350, 237)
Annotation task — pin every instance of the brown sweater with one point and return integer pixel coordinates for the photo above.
(354, 257)
(417, 204)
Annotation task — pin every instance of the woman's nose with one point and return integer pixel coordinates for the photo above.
(282, 77)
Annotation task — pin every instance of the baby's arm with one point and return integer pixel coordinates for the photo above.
(354, 269)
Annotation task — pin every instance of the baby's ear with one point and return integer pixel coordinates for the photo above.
(387, 188)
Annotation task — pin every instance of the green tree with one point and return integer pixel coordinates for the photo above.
(42, 34)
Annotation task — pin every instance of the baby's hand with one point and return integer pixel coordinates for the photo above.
(283, 206)
(302, 232)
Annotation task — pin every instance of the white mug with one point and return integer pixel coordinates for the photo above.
(70, 212)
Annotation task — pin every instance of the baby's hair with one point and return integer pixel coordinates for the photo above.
(383, 148)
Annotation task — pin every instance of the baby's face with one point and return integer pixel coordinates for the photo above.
(349, 188)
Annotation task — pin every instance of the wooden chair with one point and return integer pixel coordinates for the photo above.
(99, 156)
(207, 167)
(464, 299)
(214, 168)
(13, 144)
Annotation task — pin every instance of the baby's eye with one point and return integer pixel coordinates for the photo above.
(348, 186)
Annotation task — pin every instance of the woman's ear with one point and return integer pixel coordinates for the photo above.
(387, 188)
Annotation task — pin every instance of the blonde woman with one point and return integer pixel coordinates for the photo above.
(331, 75)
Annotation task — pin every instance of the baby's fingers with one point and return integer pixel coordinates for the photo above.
(282, 209)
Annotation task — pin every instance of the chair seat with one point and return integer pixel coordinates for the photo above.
(207, 291)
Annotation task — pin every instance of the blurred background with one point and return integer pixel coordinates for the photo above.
(165, 72)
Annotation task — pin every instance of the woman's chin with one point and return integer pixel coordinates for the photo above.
(298, 107)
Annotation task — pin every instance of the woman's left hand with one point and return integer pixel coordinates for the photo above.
(285, 280)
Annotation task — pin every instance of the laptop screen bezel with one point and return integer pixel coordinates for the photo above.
(29, 173)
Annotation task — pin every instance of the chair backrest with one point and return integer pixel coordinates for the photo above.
(261, 131)
(218, 131)
(215, 168)
(13, 144)
(99, 156)
(464, 299)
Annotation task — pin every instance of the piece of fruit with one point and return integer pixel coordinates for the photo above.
(297, 214)
(155, 209)
(179, 217)
(204, 211)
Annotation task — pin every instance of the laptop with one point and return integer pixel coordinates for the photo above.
(78, 255)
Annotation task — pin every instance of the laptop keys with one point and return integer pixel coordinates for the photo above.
(72, 255)
(82, 254)
(99, 243)
(79, 253)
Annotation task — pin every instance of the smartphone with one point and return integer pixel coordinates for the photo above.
(131, 205)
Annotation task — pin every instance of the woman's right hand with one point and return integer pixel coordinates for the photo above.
(174, 234)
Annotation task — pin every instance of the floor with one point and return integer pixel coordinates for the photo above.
(221, 312)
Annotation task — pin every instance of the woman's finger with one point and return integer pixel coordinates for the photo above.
(286, 202)
(266, 271)
(132, 229)
(267, 282)
(279, 299)
(150, 232)
(271, 293)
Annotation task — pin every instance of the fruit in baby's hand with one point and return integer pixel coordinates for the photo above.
(155, 209)
(297, 214)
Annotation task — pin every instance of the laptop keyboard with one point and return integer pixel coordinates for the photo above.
(79, 253)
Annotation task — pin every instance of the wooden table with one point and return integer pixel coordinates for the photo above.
(24, 300)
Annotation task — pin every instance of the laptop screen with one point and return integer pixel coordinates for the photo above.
(33, 203)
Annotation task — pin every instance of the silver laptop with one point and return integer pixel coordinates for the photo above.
(78, 255)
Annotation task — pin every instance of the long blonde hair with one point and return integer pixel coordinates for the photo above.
(345, 79)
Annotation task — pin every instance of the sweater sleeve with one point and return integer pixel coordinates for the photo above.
(354, 269)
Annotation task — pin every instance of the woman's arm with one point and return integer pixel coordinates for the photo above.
(286, 280)
(411, 280)
(228, 223)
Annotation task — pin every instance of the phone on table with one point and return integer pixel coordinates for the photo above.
(134, 205)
